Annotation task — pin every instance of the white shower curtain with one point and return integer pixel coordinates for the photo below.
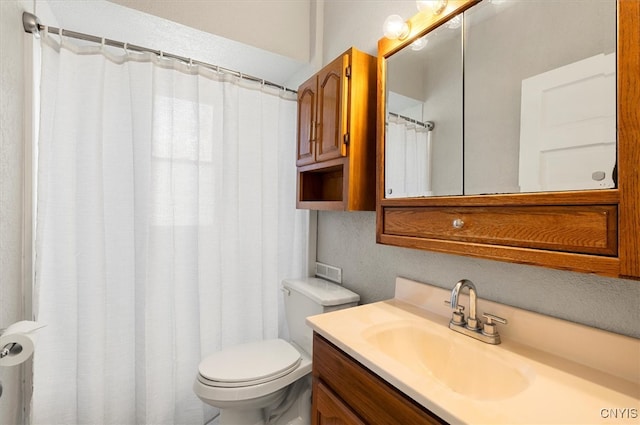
(165, 221)
(408, 159)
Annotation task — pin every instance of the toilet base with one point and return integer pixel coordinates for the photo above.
(300, 412)
(245, 417)
(251, 412)
(289, 409)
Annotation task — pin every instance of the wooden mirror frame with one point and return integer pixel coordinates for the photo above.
(615, 251)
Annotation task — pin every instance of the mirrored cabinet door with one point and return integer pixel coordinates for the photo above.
(424, 118)
(540, 96)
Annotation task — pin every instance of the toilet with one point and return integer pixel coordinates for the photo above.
(269, 382)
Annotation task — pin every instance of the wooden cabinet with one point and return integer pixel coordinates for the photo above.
(322, 131)
(330, 410)
(345, 392)
(590, 231)
(336, 135)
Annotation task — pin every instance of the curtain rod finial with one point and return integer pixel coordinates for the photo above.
(31, 23)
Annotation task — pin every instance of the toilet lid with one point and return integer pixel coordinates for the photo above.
(249, 364)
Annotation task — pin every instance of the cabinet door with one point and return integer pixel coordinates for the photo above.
(307, 97)
(329, 409)
(332, 110)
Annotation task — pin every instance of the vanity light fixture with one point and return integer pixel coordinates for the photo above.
(436, 6)
(395, 27)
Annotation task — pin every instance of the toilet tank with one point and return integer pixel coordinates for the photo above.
(310, 296)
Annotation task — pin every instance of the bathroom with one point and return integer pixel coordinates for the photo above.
(343, 239)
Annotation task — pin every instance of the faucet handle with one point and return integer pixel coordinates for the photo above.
(489, 328)
(493, 318)
(458, 315)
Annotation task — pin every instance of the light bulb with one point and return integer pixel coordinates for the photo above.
(436, 6)
(395, 27)
(419, 44)
(455, 22)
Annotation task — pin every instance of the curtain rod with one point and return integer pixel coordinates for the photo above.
(32, 25)
(429, 125)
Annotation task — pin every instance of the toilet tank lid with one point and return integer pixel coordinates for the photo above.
(321, 291)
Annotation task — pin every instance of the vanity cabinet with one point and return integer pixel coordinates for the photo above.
(336, 135)
(590, 231)
(345, 392)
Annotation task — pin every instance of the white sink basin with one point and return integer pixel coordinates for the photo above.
(546, 371)
(477, 371)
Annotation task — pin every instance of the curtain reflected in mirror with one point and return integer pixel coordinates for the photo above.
(408, 148)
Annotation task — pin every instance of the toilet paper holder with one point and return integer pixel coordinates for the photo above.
(11, 348)
(17, 342)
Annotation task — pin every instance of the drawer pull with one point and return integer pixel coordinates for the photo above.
(458, 223)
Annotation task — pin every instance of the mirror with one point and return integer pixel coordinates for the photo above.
(508, 97)
(424, 84)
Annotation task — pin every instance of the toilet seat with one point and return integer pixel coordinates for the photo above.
(249, 364)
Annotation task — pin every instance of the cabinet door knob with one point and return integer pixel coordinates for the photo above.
(458, 223)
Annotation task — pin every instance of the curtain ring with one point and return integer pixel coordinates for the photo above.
(126, 51)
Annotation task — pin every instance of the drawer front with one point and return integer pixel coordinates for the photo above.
(370, 397)
(588, 229)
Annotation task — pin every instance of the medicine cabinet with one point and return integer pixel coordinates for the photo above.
(513, 134)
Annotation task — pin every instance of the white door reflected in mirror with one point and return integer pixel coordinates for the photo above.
(568, 127)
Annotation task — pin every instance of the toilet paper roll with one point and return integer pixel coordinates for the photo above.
(19, 340)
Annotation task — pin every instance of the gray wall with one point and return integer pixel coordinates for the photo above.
(347, 240)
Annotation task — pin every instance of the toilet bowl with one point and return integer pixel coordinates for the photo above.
(269, 382)
(245, 379)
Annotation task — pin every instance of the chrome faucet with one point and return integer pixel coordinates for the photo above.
(472, 320)
(472, 326)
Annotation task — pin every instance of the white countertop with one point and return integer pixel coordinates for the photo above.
(557, 390)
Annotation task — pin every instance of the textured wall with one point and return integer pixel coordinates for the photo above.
(347, 240)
